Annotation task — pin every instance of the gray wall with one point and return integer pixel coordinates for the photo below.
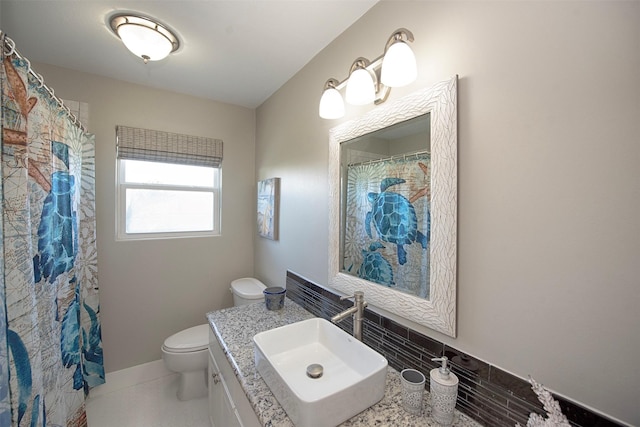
(154, 288)
(549, 189)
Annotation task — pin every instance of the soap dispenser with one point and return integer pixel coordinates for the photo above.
(444, 392)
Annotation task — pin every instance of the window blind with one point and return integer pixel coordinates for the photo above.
(158, 146)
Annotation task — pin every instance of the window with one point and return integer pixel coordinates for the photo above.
(167, 185)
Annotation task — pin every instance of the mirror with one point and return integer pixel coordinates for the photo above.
(385, 206)
(428, 296)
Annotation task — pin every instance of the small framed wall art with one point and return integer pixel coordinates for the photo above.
(268, 201)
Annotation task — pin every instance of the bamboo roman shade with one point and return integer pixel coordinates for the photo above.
(159, 146)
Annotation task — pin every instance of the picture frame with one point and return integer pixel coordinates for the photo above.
(268, 206)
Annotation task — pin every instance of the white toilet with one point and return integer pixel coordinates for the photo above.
(247, 291)
(186, 352)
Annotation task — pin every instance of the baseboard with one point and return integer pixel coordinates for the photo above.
(128, 377)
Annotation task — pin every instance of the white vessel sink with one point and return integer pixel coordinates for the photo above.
(353, 376)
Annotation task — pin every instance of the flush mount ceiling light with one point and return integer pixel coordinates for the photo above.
(371, 81)
(143, 36)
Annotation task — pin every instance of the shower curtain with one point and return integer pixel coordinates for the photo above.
(50, 340)
(388, 222)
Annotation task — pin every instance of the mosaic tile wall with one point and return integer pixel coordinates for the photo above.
(489, 395)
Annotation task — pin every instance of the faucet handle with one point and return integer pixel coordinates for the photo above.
(355, 295)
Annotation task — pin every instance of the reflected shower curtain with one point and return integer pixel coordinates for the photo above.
(50, 340)
(388, 222)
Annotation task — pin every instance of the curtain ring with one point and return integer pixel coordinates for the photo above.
(61, 107)
(40, 80)
(11, 44)
(55, 98)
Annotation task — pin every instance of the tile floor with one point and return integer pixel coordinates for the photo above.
(149, 404)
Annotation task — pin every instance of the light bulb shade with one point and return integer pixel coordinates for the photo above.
(144, 37)
(331, 104)
(398, 66)
(361, 88)
(145, 42)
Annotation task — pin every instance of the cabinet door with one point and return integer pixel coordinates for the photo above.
(216, 395)
(230, 416)
(222, 412)
(238, 411)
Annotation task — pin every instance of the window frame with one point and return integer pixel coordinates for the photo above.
(121, 206)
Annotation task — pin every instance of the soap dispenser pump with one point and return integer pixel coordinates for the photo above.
(444, 392)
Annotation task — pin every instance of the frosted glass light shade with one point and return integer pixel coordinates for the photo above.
(398, 66)
(331, 104)
(360, 88)
(145, 42)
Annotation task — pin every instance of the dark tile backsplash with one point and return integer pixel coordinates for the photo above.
(488, 394)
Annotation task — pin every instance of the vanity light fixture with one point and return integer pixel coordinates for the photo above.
(331, 103)
(361, 86)
(399, 63)
(371, 81)
(143, 36)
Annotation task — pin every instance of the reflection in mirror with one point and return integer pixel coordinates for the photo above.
(425, 294)
(385, 206)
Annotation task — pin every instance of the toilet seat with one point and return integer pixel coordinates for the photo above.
(188, 340)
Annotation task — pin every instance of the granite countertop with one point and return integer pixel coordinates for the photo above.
(235, 327)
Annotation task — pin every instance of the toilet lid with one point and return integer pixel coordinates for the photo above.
(248, 288)
(192, 339)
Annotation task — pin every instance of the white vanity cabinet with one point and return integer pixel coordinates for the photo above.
(228, 405)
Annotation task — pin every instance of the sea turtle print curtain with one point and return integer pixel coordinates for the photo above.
(387, 222)
(50, 340)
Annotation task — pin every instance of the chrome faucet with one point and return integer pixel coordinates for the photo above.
(358, 313)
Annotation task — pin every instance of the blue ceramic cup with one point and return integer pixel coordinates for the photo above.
(274, 297)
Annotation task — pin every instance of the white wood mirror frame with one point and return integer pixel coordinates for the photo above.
(439, 311)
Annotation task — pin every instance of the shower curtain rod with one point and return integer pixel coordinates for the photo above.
(396, 157)
(9, 48)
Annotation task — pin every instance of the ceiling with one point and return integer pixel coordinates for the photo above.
(238, 52)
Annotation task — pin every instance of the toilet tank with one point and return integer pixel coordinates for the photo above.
(247, 290)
